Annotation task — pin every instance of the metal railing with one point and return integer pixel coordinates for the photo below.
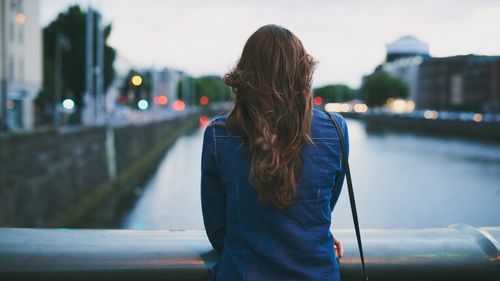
(457, 252)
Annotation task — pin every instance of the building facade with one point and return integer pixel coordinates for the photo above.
(456, 83)
(168, 83)
(468, 82)
(403, 59)
(22, 55)
(406, 46)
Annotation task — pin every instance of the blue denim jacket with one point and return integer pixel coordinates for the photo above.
(259, 242)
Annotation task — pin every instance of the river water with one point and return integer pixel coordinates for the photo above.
(400, 180)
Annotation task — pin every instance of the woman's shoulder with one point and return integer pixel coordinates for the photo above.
(322, 125)
(219, 119)
(216, 126)
(323, 115)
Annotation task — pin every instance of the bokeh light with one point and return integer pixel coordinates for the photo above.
(162, 100)
(431, 114)
(143, 104)
(204, 120)
(318, 100)
(20, 18)
(179, 105)
(204, 100)
(136, 80)
(68, 104)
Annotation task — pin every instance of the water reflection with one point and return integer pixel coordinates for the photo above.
(171, 198)
(400, 180)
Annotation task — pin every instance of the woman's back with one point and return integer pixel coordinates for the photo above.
(259, 241)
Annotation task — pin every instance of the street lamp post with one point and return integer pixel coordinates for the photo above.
(99, 95)
(4, 68)
(89, 67)
(62, 44)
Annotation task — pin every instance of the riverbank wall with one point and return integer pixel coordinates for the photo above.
(67, 177)
(486, 131)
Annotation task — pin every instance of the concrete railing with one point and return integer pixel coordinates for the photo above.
(458, 252)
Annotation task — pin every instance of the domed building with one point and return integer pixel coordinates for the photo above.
(406, 46)
(463, 82)
(403, 60)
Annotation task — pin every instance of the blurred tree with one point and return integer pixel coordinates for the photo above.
(72, 25)
(213, 88)
(210, 86)
(335, 93)
(380, 86)
(181, 94)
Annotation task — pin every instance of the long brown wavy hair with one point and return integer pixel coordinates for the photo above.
(273, 110)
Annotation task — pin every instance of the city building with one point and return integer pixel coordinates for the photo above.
(467, 82)
(406, 46)
(403, 59)
(167, 84)
(464, 83)
(21, 47)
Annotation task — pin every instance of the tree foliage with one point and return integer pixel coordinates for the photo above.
(381, 86)
(335, 93)
(72, 25)
(210, 86)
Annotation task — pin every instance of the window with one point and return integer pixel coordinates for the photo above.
(457, 90)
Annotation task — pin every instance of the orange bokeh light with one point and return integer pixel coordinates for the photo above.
(20, 18)
(179, 105)
(162, 100)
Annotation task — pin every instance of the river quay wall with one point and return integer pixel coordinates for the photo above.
(488, 131)
(61, 177)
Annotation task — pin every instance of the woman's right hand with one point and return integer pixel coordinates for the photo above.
(339, 249)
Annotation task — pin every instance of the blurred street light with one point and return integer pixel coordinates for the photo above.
(478, 117)
(136, 80)
(179, 105)
(204, 100)
(142, 104)
(400, 105)
(20, 18)
(68, 104)
(62, 44)
(360, 108)
(318, 100)
(161, 100)
(431, 114)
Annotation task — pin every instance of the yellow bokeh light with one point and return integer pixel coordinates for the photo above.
(345, 107)
(360, 108)
(333, 107)
(399, 106)
(136, 80)
(410, 106)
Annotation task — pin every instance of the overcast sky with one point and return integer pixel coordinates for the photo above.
(347, 37)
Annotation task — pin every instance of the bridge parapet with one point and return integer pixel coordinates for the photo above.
(457, 252)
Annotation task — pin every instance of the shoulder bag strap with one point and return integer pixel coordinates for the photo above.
(351, 191)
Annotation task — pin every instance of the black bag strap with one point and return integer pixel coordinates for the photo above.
(351, 191)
